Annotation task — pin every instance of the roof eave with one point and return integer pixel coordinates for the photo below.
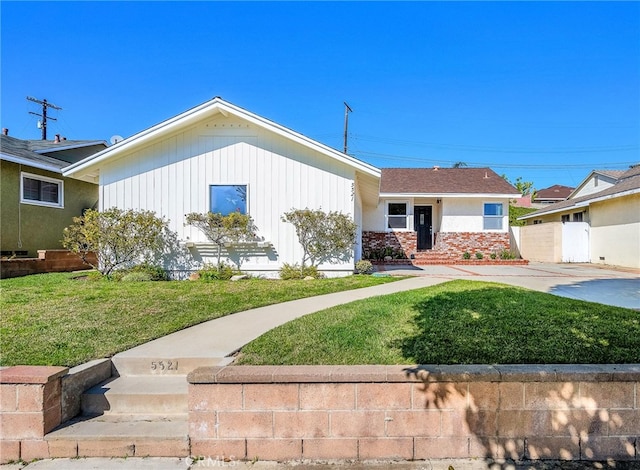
(193, 115)
(452, 195)
(27, 162)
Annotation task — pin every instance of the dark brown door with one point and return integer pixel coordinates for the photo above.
(422, 224)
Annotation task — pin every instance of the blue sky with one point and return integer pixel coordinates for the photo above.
(545, 91)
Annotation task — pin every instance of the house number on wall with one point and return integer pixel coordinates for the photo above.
(164, 365)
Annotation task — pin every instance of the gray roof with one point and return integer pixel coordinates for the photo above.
(32, 151)
(627, 181)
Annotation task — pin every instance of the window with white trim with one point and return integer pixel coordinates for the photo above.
(492, 216)
(41, 190)
(228, 198)
(397, 215)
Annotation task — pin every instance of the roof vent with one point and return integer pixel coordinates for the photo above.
(486, 175)
(5, 131)
(57, 139)
(436, 167)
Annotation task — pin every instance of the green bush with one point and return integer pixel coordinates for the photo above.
(139, 276)
(479, 255)
(223, 272)
(156, 273)
(382, 253)
(466, 255)
(364, 267)
(295, 271)
(493, 256)
(506, 254)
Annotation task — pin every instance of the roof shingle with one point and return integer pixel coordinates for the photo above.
(444, 181)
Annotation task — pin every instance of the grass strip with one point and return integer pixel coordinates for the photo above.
(458, 322)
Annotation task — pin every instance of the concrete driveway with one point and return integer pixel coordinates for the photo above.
(593, 283)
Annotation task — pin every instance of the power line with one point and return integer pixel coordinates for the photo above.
(514, 150)
(386, 156)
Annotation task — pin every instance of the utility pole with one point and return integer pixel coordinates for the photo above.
(347, 110)
(44, 117)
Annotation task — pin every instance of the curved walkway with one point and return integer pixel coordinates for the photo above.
(221, 337)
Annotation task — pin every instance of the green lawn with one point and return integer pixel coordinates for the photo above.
(54, 319)
(459, 322)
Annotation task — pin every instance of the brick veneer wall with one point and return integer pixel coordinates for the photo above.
(405, 241)
(391, 412)
(456, 243)
(453, 244)
(48, 261)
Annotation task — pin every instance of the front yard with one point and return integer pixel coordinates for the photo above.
(62, 319)
(459, 322)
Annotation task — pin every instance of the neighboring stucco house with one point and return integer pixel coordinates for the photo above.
(593, 226)
(36, 201)
(219, 157)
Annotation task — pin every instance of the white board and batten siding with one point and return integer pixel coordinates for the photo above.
(172, 178)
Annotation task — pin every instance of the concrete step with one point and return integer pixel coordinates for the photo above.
(122, 435)
(142, 395)
(127, 364)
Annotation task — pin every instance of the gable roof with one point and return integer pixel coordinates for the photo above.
(444, 181)
(555, 192)
(90, 165)
(30, 152)
(628, 183)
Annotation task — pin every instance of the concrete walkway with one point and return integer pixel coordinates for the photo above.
(221, 337)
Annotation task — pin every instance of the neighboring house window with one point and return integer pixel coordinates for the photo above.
(397, 215)
(41, 190)
(566, 218)
(577, 217)
(492, 216)
(537, 221)
(228, 198)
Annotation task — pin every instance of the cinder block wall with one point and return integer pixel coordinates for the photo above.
(391, 412)
(48, 261)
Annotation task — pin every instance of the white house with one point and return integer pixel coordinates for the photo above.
(219, 157)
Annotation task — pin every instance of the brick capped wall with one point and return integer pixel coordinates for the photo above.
(48, 261)
(456, 243)
(513, 412)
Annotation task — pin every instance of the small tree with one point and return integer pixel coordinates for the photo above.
(323, 236)
(221, 229)
(119, 238)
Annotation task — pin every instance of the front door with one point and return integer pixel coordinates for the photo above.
(422, 223)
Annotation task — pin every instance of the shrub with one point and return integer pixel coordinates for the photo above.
(221, 272)
(324, 237)
(156, 273)
(506, 254)
(295, 271)
(382, 253)
(220, 229)
(138, 276)
(479, 255)
(466, 255)
(493, 256)
(364, 267)
(119, 238)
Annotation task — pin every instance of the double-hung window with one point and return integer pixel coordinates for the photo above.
(397, 213)
(41, 190)
(228, 198)
(492, 216)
